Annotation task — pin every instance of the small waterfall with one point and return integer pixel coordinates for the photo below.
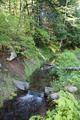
(23, 107)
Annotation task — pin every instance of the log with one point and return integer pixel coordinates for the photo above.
(48, 66)
(72, 68)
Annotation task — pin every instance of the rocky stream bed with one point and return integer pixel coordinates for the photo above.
(18, 99)
(17, 104)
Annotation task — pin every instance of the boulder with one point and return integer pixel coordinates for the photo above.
(21, 84)
(71, 88)
(48, 90)
(12, 56)
(54, 96)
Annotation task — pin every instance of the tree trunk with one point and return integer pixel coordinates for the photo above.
(10, 6)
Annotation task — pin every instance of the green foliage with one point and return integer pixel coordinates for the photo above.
(36, 118)
(8, 26)
(74, 79)
(35, 58)
(63, 21)
(66, 21)
(47, 53)
(73, 29)
(30, 39)
(4, 38)
(67, 108)
(59, 27)
(41, 37)
(30, 66)
(68, 59)
(77, 8)
(7, 89)
(1, 1)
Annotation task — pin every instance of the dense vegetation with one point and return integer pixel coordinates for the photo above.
(46, 31)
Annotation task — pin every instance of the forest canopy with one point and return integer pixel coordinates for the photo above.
(43, 21)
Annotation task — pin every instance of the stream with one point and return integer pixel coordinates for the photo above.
(23, 107)
(16, 104)
(26, 103)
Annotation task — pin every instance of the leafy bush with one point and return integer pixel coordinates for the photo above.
(75, 79)
(73, 34)
(36, 118)
(66, 109)
(41, 37)
(30, 66)
(67, 59)
(8, 26)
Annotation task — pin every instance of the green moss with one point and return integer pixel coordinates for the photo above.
(6, 88)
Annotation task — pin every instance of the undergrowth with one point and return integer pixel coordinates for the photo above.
(64, 60)
(67, 108)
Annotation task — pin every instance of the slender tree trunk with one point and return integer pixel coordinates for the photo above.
(66, 5)
(27, 7)
(20, 16)
(15, 7)
(39, 7)
(32, 6)
(10, 6)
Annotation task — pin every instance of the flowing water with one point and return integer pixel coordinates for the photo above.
(23, 107)
(25, 104)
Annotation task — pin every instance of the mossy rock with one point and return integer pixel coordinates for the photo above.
(7, 89)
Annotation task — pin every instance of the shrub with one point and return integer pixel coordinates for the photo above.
(36, 118)
(66, 109)
(68, 59)
(8, 25)
(41, 37)
(30, 66)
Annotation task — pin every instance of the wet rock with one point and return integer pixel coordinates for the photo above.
(54, 96)
(12, 56)
(71, 88)
(48, 90)
(48, 66)
(21, 84)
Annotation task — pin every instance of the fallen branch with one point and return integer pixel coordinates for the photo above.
(48, 66)
(72, 68)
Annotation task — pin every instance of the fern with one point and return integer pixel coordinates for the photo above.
(67, 108)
